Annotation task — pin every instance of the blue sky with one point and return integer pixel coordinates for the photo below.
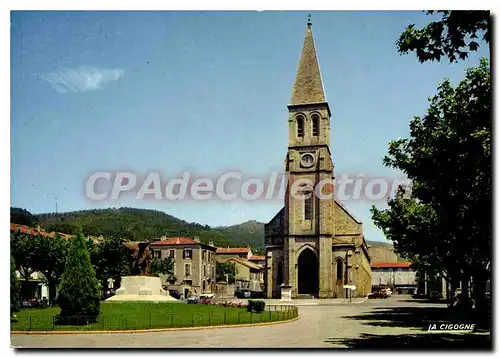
(205, 92)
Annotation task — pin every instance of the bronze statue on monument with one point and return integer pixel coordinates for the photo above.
(141, 257)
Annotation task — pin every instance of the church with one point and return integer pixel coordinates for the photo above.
(313, 244)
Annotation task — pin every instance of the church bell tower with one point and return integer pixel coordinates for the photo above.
(309, 220)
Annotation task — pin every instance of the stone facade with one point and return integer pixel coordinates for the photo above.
(248, 275)
(313, 244)
(394, 275)
(194, 268)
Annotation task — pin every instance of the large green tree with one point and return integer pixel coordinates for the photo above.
(22, 217)
(110, 259)
(49, 259)
(446, 220)
(163, 267)
(79, 291)
(23, 250)
(456, 34)
(225, 270)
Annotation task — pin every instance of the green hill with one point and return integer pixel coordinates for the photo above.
(381, 251)
(143, 224)
(249, 233)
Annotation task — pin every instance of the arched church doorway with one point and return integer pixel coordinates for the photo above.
(308, 282)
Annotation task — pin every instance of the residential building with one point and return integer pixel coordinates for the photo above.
(249, 268)
(248, 274)
(259, 260)
(194, 269)
(397, 275)
(34, 286)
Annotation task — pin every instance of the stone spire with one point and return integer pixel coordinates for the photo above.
(308, 87)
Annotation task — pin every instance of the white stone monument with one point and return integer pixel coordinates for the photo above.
(111, 283)
(286, 293)
(141, 288)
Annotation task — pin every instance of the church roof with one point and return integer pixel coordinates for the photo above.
(308, 87)
(347, 211)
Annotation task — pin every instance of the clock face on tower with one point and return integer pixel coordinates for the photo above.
(307, 160)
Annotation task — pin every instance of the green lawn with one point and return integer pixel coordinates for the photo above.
(145, 315)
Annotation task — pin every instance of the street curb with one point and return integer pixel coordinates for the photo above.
(319, 303)
(153, 330)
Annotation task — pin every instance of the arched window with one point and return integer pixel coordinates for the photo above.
(308, 205)
(300, 126)
(315, 122)
(340, 269)
(280, 273)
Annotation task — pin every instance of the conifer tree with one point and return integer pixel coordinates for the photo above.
(14, 288)
(79, 291)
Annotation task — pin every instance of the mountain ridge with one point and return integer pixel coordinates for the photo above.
(149, 224)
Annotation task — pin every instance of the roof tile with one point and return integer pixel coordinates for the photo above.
(232, 250)
(308, 87)
(175, 241)
(257, 258)
(391, 264)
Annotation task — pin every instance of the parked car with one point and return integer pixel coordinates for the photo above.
(193, 299)
(29, 302)
(378, 294)
(257, 294)
(242, 294)
(175, 294)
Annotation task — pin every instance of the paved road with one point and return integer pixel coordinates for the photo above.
(393, 322)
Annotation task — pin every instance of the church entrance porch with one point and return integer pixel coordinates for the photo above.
(308, 267)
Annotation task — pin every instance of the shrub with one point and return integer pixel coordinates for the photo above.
(79, 293)
(259, 306)
(250, 305)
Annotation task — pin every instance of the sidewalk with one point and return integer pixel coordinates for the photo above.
(316, 301)
(304, 301)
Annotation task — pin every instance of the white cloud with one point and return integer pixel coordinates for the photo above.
(81, 79)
